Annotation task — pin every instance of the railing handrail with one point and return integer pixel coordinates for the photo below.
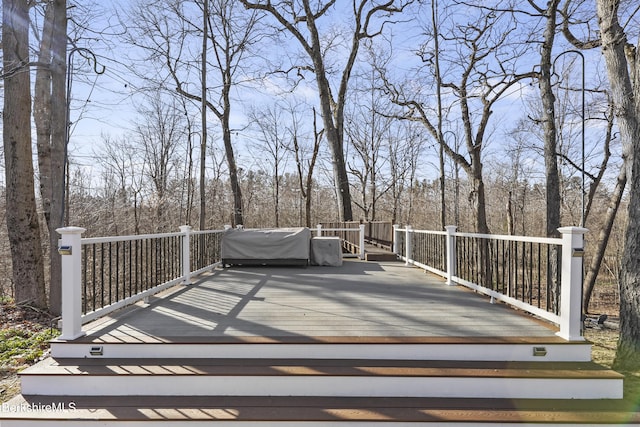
(507, 237)
(567, 296)
(336, 229)
(132, 237)
(115, 285)
(512, 238)
(206, 231)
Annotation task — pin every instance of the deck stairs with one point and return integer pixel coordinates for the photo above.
(372, 381)
(373, 252)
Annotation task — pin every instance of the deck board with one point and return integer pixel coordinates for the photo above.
(359, 299)
(362, 410)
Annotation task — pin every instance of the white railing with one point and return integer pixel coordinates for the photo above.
(353, 237)
(101, 275)
(542, 276)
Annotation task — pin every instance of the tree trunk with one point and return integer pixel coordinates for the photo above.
(625, 91)
(203, 116)
(628, 349)
(335, 140)
(479, 203)
(603, 237)
(549, 122)
(436, 69)
(238, 217)
(478, 196)
(553, 200)
(58, 149)
(510, 221)
(332, 110)
(42, 113)
(21, 212)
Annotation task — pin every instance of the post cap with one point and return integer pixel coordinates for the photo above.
(573, 230)
(70, 230)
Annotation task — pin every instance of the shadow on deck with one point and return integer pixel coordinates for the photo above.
(360, 299)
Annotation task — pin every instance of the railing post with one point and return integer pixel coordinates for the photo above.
(396, 227)
(70, 249)
(186, 254)
(362, 232)
(451, 254)
(407, 245)
(571, 283)
(319, 227)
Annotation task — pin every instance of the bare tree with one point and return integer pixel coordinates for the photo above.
(21, 212)
(302, 20)
(481, 45)
(121, 161)
(188, 184)
(404, 149)
(271, 138)
(306, 164)
(549, 12)
(161, 130)
(51, 132)
(623, 64)
(368, 131)
(169, 35)
(439, 108)
(203, 114)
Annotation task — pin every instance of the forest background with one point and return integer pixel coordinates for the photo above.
(497, 117)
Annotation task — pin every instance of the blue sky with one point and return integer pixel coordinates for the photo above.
(106, 104)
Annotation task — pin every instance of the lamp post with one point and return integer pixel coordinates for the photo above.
(89, 56)
(577, 52)
(456, 169)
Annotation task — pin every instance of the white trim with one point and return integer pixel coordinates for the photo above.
(324, 386)
(435, 233)
(207, 268)
(424, 266)
(509, 300)
(489, 352)
(93, 315)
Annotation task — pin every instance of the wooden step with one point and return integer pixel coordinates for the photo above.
(54, 411)
(380, 256)
(322, 377)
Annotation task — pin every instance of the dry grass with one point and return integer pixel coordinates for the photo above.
(24, 339)
(603, 352)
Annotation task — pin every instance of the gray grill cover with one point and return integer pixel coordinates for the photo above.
(275, 243)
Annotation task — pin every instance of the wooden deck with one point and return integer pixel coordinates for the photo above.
(360, 300)
(376, 344)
